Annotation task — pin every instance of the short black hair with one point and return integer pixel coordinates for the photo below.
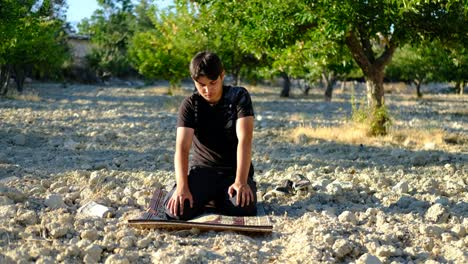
(206, 64)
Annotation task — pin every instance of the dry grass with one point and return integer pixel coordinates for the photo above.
(398, 88)
(356, 134)
(165, 90)
(172, 104)
(31, 96)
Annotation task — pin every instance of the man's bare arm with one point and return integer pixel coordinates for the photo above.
(244, 131)
(183, 143)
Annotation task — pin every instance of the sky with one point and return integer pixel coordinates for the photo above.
(79, 9)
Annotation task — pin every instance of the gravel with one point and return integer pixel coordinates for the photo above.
(112, 146)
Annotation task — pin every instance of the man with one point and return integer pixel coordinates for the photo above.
(219, 121)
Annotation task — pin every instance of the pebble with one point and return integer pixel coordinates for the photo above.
(437, 213)
(401, 187)
(348, 217)
(92, 253)
(127, 242)
(90, 234)
(143, 243)
(55, 201)
(27, 217)
(12, 193)
(116, 259)
(5, 200)
(96, 178)
(368, 259)
(342, 247)
(431, 230)
(19, 140)
(388, 251)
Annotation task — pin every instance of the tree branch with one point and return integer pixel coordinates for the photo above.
(366, 45)
(386, 56)
(357, 51)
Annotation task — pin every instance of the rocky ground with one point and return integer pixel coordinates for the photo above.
(369, 203)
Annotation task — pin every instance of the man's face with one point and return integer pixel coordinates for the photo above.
(211, 90)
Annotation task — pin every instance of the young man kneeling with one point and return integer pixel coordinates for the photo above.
(219, 121)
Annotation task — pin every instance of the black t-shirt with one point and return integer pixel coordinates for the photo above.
(215, 141)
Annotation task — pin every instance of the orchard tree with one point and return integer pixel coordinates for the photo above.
(165, 51)
(31, 37)
(456, 67)
(111, 28)
(371, 30)
(417, 64)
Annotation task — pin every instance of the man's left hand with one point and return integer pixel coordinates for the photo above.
(243, 191)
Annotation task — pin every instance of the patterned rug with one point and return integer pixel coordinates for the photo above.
(155, 217)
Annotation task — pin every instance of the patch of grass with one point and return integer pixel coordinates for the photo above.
(355, 134)
(31, 96)
(376, 120)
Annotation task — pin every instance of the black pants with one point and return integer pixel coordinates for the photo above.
(210, 184)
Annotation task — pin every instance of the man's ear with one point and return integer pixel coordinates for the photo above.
(222, 75)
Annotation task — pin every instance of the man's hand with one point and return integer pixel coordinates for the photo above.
(243, 191)
(176, 203)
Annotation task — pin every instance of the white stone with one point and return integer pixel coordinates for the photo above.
(96, 178)
(7, 211)
(90, 234)
(401, 187)
(387, 251)
(55, 201)
(127, 242)
(368, 259)
(19, 140)
(57, 230)
(27, 217)
(5, 200)
(116, 259)
(342, 247)
(459, 230)
(12, 193)
(93, 252)
(431, 230)
(348, 217)
(94, 209)
(71, 145)
(437, 214)
(329, 239)
(143, 243)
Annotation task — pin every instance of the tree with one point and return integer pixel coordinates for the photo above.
(111, 28)
(371, 30)
(416, 64)
(31, 36)
(165, 50)
(456, 67)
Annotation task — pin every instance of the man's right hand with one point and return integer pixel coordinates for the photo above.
(176, 202)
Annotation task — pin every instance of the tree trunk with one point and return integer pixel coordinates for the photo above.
(330, 81)
(459, 87)
(306, 89)
(462, 88)
(418, 88)
(343, 86)
(360, 45)
(5, 72)
(286, 85)
(375, 100)
(19, 77)
(236, 75)
(375, 89)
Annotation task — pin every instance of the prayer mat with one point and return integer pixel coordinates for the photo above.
(155, 217)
